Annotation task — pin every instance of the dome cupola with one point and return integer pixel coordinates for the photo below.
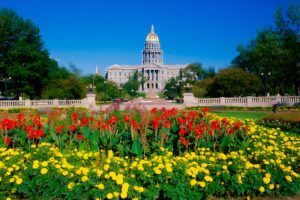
(152, 36)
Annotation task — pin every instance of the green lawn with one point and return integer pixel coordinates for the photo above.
(242, 114)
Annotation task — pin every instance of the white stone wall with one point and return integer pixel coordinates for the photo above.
(120, 74)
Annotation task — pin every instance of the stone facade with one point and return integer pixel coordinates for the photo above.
(156, 73)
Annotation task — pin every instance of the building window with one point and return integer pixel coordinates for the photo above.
(156, 85)
(148, 85)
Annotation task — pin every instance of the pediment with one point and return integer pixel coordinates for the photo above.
(151, 66)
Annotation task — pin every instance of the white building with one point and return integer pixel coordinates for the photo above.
(152, 68)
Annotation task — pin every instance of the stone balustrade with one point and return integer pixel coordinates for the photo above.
(190, 100)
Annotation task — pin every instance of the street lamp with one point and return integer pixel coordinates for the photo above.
(266, 81)
(105, 91)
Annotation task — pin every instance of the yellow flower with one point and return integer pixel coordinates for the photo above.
(268, 175)
(70, 185)
(124, 195)
(45, 164)
(266, 180)
(109, 196)
(106, 167)
(193, 182)
(141, 189)
(224, 167)
(288, 178)
(100, 186)
(11, 180)
(271, 186)
(116, 194)
(65, 173)
(208, 178)
(84, 179)
(202, 184)
(8, 198)
(35, 165)
(261, 189)
(125, 186)
(19, 181)
(44, 171)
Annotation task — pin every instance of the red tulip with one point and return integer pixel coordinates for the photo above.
(6, 140)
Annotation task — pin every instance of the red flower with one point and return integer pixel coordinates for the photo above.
(21, 116)
(84, 121)
(59, 129)
(105, 126)
(167, 124)
(230, 130)
(40, 133)
(190, 126)
(72, 128)
(7, 124)
(198, 130)
(204, 110)
(215, 125)
(182, 132)
(99, 122)
(246, 127)
(133, 124)
(126, 118)
(225, 121)
(80, 137)
(154, 110)
(155, 124)
(75, 118)
(181, 121)
(113, 119)
(6, 140)
(184, 141)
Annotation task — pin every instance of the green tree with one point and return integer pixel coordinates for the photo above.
(203, 88)
(132, 85)
(193, 72)
(172, 89)
(275, 50)
(231, 82)
(23, 56)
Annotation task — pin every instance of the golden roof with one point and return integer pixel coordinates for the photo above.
(152, 36)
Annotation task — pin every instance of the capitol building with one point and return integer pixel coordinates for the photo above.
(154, 70)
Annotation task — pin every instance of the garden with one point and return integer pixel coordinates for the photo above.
(140, 154)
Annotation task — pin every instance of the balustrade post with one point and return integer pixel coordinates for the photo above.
(27, 102)
(55, 102)
(222, 101)
(249, 102)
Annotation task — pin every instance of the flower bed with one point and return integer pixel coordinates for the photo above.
(159, 154)
(287, 121)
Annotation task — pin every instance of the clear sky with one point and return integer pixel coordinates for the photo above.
(105, 32)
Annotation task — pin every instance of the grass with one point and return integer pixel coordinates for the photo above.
(242, 114)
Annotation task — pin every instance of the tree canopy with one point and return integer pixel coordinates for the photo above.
(275, 51)
(26, 61)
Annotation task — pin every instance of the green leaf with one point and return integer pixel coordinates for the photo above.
(86, 131)
(94, 139)
(83, 146)
(137, 147)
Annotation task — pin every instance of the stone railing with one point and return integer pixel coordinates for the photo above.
(190, 100)
(88, 102)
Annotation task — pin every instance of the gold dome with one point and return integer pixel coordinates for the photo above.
(152, 36)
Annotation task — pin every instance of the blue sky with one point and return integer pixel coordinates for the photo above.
(97, 32)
